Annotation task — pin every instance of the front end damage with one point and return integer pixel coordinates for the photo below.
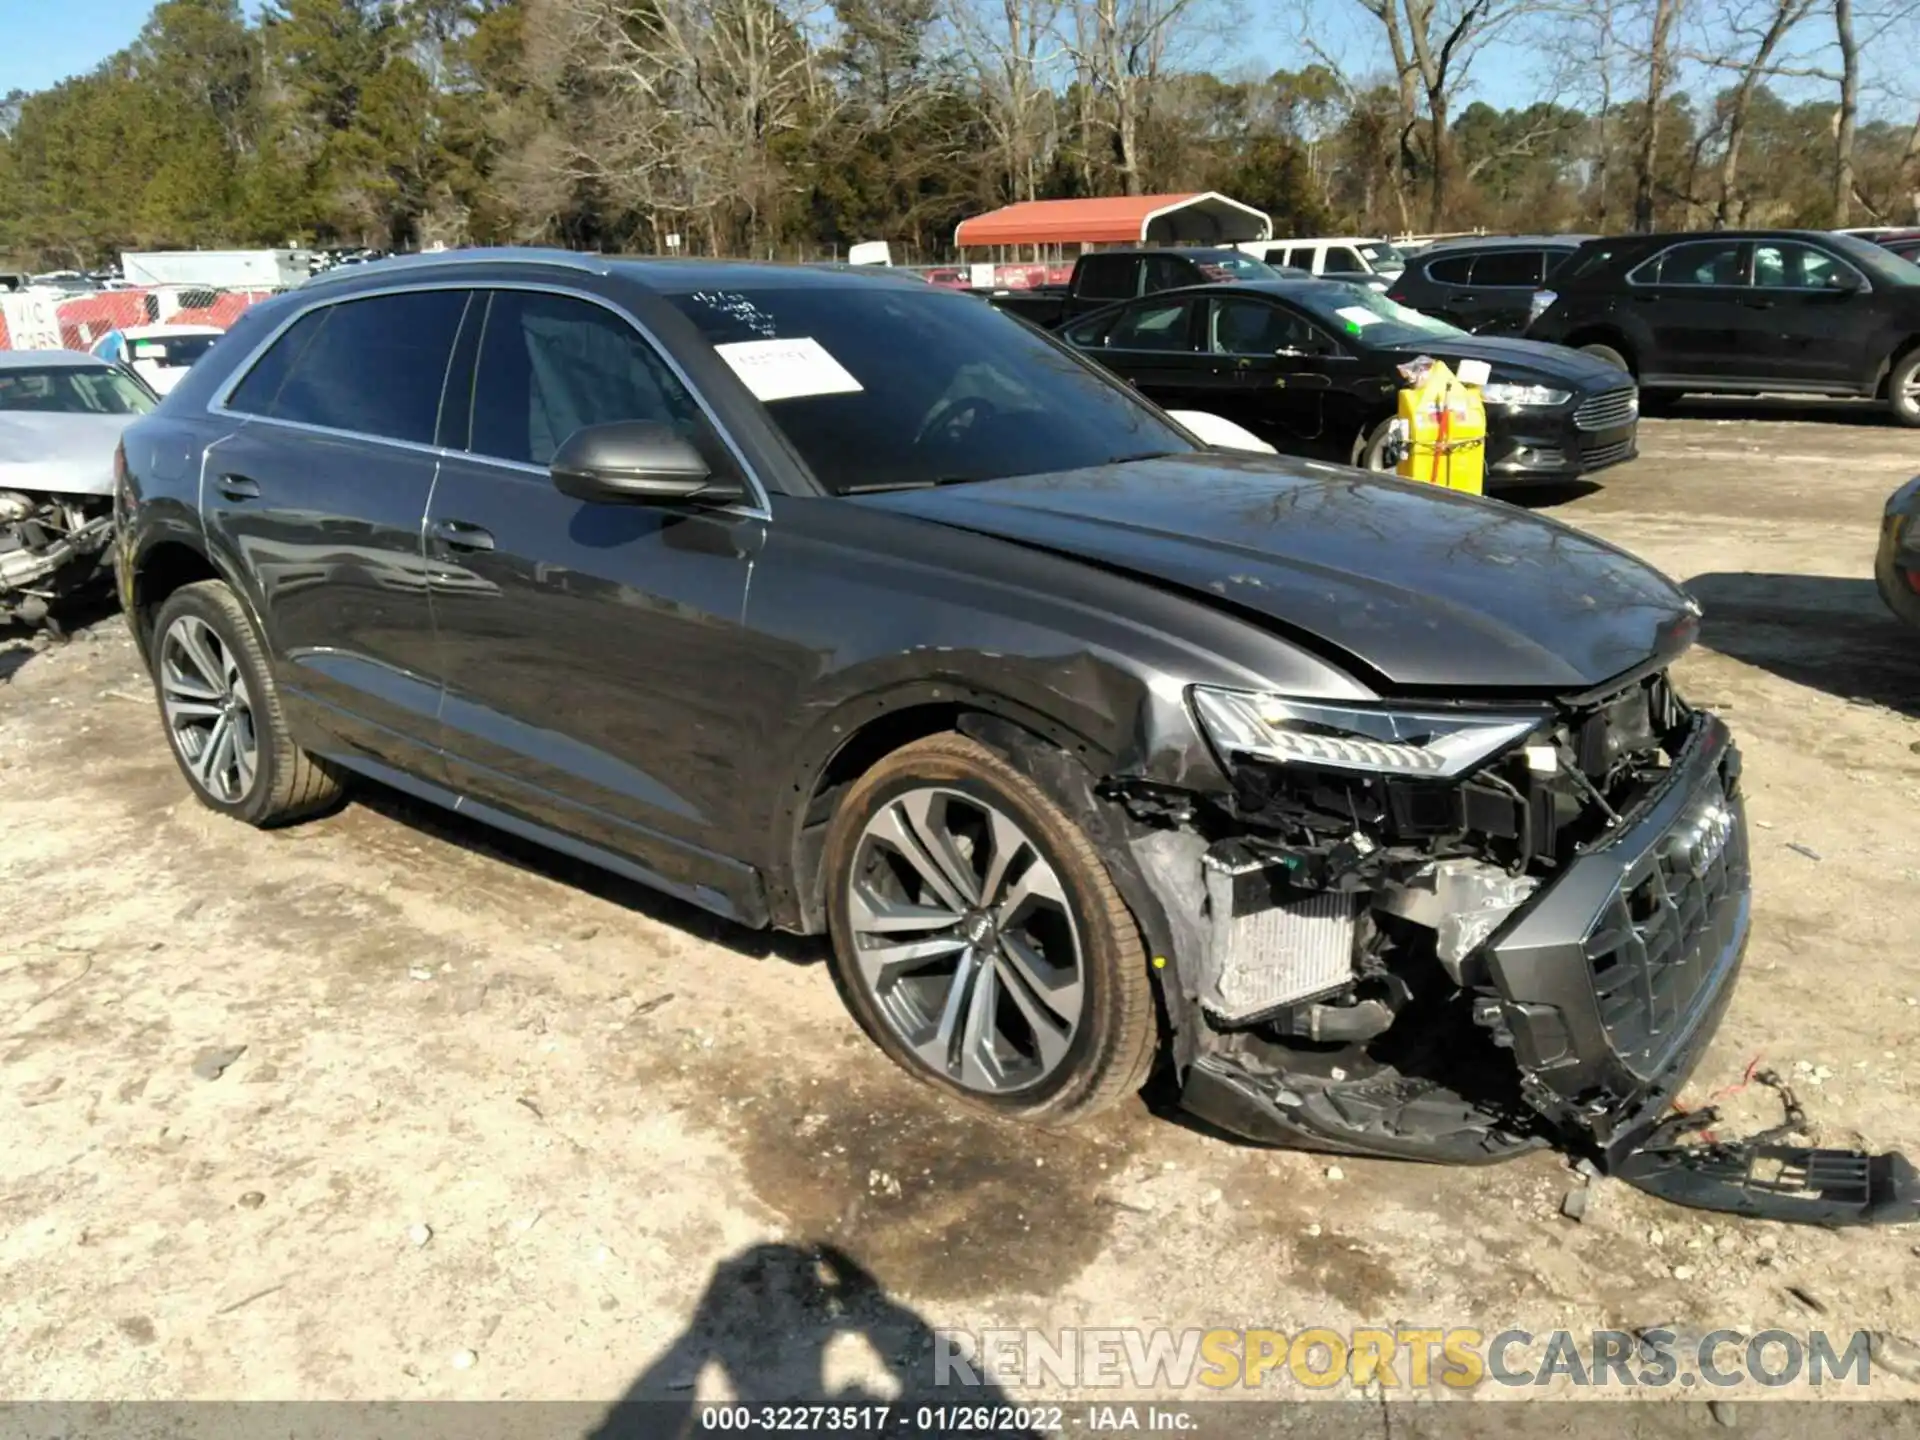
(52, 544)
(1455, 937)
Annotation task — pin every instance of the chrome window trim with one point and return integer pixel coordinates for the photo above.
(761, 509)
(1662, 254)
(1840, 261)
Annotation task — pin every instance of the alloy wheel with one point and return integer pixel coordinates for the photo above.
(208, 708)
(963, 937)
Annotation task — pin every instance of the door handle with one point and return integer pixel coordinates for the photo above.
(238, 487)
(1466, 299)
(459, 535)
(1759, 304)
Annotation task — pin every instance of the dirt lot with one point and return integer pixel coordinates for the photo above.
(505, 1128)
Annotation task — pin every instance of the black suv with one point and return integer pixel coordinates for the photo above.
(851, 606)
(1745, 312)
(1483, 285)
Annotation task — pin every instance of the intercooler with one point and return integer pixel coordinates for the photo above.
(1271, 944)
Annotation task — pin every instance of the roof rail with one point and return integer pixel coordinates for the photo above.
(484, 255)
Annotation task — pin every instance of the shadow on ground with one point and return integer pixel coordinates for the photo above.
(1823, 631)
(20, 642)
(765, 1324)
(1784, 409)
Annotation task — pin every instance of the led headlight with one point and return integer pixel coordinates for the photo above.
(1500, 393)
(1433, 744)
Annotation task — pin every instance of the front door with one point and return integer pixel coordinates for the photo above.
(1279, 375)
(1810, 303)
(586, 646)
(319, 497)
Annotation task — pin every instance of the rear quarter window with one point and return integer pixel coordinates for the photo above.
(1453, 270)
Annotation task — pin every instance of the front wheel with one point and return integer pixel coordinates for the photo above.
(979, 940)
(1607, 353)
(1903, 389)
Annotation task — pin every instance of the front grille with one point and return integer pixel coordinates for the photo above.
(1597, 456)
(1658, 937)
(1608, 410)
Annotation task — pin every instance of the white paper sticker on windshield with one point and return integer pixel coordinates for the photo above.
(787, 369)
(1358, 316)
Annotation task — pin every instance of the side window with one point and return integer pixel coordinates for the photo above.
(1507, 267)
(1153, 327)
(1557, 258)
(1170, 272)
(260, 387)
(1699, 262)
(550, 364)
(1245, 326)
(1107, 277)
(1788, 265)
(1300, 257)
(1345, 260)
(375, 366)
(1453, 270)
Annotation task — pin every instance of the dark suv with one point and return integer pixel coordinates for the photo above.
(1800, 312)
(1482, 285)
(847, 605)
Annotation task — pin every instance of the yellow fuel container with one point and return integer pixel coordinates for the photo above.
(1444, 425)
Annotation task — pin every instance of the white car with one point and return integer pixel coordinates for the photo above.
(61, 414)
(158, 354)
(1375, 264)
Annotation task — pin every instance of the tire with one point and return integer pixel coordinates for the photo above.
(1607, 353)
(1370, 447)
(261, 777)
(1903, 389)
(1084, 971)
(1900, 597)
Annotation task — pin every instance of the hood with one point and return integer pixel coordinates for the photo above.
(1425, 588)
(59, 454)
(1530, 360)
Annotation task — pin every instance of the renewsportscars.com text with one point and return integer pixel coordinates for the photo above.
(1404, 1358)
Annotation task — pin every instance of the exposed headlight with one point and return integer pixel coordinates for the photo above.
(1435, 745)
(1505, 394)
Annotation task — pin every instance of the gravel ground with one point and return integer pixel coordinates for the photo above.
(381, 1107)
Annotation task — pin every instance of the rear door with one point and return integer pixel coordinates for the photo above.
(1692, 299)
(317, 500)
(1497, 301)
(593, 653)
(1153, 345)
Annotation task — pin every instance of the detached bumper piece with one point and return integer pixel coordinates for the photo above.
(1779, 1182)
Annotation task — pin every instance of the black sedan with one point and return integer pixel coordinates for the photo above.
(1311, 367)
(850, 606)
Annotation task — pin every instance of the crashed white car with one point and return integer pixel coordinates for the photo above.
(61, 414)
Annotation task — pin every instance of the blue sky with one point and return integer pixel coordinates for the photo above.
(48, 40)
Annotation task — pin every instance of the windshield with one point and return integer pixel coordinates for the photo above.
(73, 390)
(171, 349)
(1383, 256)
(887, 387)
(1358, 311)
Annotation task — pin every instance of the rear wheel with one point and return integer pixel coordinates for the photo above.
(979, 940)
(222, 712)
(1370, 446)
(1903, 389)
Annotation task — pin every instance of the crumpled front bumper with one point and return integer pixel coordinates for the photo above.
(1610, 982)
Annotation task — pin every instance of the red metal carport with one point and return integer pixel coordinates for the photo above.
(1200, 217)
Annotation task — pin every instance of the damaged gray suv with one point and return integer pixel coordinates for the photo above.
(834, 602)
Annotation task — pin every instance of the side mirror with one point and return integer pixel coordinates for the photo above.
(1847, 282)
(637, 462)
